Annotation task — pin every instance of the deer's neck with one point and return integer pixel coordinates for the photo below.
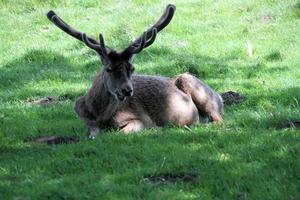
(100, 101)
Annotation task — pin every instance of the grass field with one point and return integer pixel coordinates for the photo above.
(252, 156)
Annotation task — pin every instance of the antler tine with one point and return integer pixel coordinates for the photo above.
(54, 18)
(163, 21)
(139, 47)
(152, 38)
(88, 43)
(102, 44)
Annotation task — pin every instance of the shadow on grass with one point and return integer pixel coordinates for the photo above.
(228, 165)
(39, 67)
(270, 109)
(36, 68)
(30, 74)
(199, 65)
(202, 66)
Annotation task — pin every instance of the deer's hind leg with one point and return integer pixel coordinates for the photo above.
(130, 121)
(133, 126)
(208, 102)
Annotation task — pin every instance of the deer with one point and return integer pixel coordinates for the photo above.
(129, 102)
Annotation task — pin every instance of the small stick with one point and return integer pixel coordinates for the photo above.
(250, 49)
(188, 128)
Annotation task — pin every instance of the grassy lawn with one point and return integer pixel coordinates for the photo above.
(252, 156)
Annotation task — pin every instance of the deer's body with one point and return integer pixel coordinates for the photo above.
(130, 102)
(156, 101)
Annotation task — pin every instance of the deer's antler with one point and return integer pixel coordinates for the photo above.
(90, 42)
(149, 36)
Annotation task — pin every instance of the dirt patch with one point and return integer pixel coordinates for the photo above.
(231, 98)
(170, 178)
(45, 101)
(67, 96)
(266, 18)
(53, 140)
(291, 124)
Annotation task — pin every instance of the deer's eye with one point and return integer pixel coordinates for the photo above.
(109, 69)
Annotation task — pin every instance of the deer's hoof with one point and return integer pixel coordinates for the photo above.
(92, 137)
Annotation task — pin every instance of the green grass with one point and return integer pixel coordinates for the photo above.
(249, 157)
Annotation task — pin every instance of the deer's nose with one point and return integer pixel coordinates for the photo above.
(127, 92)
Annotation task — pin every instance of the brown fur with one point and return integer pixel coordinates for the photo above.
(156, 101)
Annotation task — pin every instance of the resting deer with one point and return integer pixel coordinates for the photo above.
(120, 99)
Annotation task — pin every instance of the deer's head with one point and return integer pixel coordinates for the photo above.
(117, 64)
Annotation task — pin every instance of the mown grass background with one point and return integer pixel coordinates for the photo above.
(250, 157)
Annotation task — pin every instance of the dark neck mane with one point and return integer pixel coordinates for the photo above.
(99, 100)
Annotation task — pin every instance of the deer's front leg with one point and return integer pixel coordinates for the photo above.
(87, 117)
(93, 132)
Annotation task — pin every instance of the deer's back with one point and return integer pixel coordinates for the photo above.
(160, 99)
